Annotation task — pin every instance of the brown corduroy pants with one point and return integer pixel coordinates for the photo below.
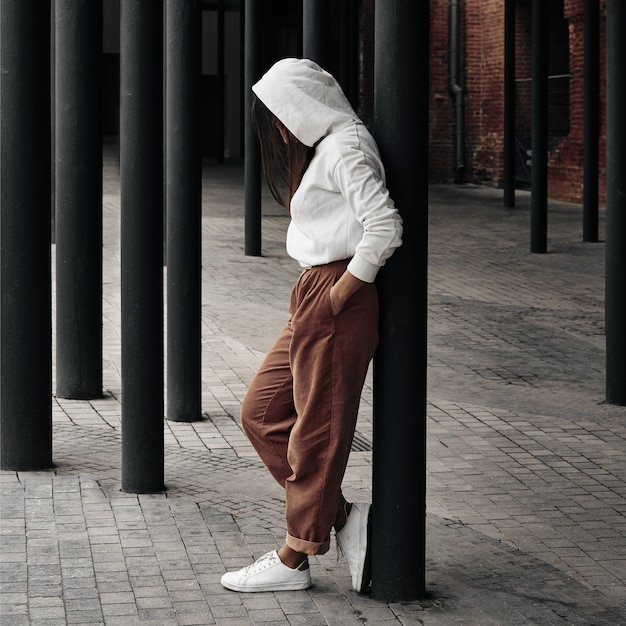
(301, 409)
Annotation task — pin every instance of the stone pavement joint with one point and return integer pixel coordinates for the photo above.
(526, 484)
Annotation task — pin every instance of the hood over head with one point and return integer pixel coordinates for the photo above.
(305, 98)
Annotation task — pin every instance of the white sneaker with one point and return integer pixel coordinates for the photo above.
(353, 544)
(269, 573)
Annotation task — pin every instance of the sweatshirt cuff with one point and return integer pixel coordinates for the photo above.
(362, 269)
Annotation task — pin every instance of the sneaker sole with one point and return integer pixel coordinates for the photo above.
(366, 575)
(274, 587)
(361, 580)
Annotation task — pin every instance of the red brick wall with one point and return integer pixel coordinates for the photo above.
(441, 112)
(566, 162)
(482, 59)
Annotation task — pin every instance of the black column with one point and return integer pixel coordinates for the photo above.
(252, 153)
(615, 202)
(78, 175)
(591, 88)
(221, 81)
(184, 210)
(509, 103)
(399, 473)
(457, 93)
(141, 194)
(315, 31)
(52, 116)
(348, 75)
(25, 317)
(539, 172)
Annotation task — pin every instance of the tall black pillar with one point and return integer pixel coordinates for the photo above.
(252, 154)
(615, 302)
(509, 103)
(539, 171)
(399, 462)
(52, 116)
(184, 210)
(221, 78)
(78, 175)
(455, 89)
(348, 74)
(591, 88)
(315, 31)
(141, 195)
(25, 311)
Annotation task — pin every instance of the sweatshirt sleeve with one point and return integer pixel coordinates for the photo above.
(360, 179)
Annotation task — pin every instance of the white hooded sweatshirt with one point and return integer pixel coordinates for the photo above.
(341, 209)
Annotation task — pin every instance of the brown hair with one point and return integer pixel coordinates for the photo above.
(283, 163)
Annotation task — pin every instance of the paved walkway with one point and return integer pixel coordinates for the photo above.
(526, 473)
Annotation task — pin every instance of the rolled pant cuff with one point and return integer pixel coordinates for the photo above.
(308, 547)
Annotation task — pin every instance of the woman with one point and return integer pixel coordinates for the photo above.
(300, 411)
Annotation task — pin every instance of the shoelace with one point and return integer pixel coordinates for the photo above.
(267, 560)
(260, 564)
